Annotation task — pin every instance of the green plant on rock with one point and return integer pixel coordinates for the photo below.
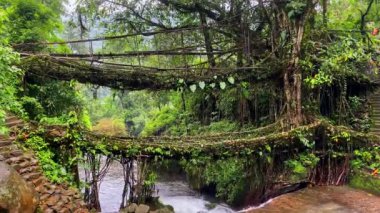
(32, 107)
(301, 165)
(10, 77)
(366, 158)
(160, 121)
(228, 177)
(3, 128)
(53, 171)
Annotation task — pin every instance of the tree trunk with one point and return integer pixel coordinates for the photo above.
(207, 38)
(292, 76)
(324, 12)
(293, 79)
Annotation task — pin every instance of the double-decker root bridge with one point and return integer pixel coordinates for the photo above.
(263, 154)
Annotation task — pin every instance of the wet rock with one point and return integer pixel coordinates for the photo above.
(68, 193)
(52, 200)
(56, 132)
(142, 209)
(15, 194)
(163, 210)
(131, 208)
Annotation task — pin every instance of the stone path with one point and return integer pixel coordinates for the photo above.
(53, 197)
(375, 103)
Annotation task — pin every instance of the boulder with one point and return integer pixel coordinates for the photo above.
(142, 209)
(15, 194)
(163, 210)
(131, 208)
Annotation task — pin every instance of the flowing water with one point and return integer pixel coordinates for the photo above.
(329, 199)
(173, 190)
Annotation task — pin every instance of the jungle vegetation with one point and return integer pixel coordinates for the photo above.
(238, 65)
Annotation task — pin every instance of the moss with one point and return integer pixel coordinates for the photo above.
(366, 183)
(110, 126)
(156, 204)
(210, 206)
(160, 121)
(3, 128)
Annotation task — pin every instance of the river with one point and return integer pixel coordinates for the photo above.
(326, 199)
(174, 191)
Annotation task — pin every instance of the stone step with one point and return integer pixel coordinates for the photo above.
(53, 198)
(11, 119)
(8, 148)
(375, 130)
(5, 143)
(39, 187)
(31, 176)
(17, 123)
(17, 160)
(4, 137)
(40, 182)
(25, 164)
(11, 153)
(44, 196)
(29, 169)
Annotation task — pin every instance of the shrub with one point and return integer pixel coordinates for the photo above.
(160, 121)
(110, 126)
(32, 107)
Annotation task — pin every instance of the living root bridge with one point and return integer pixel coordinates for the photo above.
(178, 147)
(125, 76)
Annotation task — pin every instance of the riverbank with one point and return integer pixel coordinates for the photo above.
(322, 199)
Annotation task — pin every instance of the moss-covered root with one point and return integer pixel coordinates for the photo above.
(366, 182)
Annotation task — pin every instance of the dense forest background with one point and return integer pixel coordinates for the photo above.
(297, 73)
(282, 61)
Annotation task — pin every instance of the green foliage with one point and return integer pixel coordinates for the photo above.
(221, 126)
(229, 178)
(61, 120)
(295, 9)
(150, 181)
(51, 169)
(306, 138)
(301, 165)
(109, 126)
(10, 77)
(85, 119)
(160, 121)
(303, 162)
(3, 128)
(367, 183)
(343, 14)
(29, 21)
(366, 158)
(56, 97)
(32, 107)
(341, 137)
(347, 56)
(358, 118)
